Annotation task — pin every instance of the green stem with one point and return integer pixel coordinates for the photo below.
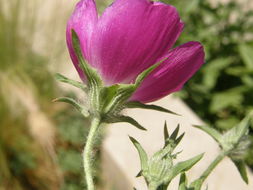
(152, 186)
(199, 182)
(87, 153)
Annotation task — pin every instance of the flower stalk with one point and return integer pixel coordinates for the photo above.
(197, 184)
(87, 153)
(211, 167)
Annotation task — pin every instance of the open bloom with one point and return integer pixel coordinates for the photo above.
(129, 37)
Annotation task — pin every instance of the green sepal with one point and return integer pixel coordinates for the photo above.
(175, 133)
(107, 95)
(145, 73)
(183, 182)
(236, 133)
(142, 154)
(216, 135)
(196, 185)
(72, 102)
(242, 170)
(173, 139)
(178, 140)
(165, 133)
(113, 97)
(74, 83)
(136, 104)
(183, 167)
(123, 118)
(93, 77)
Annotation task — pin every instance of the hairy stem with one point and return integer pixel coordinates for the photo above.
(199, 182)
(87, 153)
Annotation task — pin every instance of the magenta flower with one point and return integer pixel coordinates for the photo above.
(129, 37)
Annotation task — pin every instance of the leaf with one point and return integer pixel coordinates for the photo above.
(245, 51)
(91, 74)
(227, 123)
(64, 79)
(238, 71)
(224, 100)
(123, 118)
(183, 182)
(175, 133)
(142, 154)
(212, 71)
(136, 104)
(178, 140)
(165, 133)
(242, 170)
(107, 95)
(210, 131)
(72, 102)
(144, 74)
(183, 166)
(115, 96)
(237, 132)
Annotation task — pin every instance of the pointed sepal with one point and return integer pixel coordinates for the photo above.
(165, 133)
(144, 74)
(183, 182)
(124, 119)
(142, 154)
(93, 77)
(241, 166)
(183, 166)
(136, 104)
(74, 83)
(173, 139)
(74, 103)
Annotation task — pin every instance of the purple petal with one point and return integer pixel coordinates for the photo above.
(181, 63)
(83, 21)
(130, 36)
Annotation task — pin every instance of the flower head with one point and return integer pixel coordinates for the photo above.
(129, 37)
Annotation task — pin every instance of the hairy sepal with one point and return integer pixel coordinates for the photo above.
(74, 103)
(74, 83)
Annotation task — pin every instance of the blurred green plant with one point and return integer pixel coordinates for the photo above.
(222, 92)
(34, 154)
(27, 156)
(69, 144)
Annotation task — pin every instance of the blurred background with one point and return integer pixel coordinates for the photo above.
(41, 141)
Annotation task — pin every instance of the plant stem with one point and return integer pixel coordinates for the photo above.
(152, 186)
(87, 153)
(199, 182)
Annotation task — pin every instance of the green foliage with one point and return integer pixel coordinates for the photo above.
(222, 91)
(27, 89)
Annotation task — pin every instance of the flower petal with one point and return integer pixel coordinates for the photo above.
(181, 63)
(83, 21)
(130, 36)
